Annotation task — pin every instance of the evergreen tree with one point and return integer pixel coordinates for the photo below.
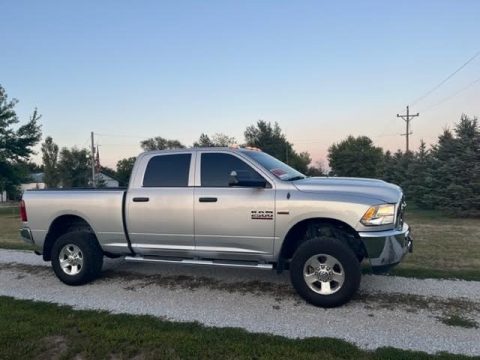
(457, 169)
(421, 180)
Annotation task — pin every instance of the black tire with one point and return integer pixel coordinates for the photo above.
(92, 256)
(341, 252)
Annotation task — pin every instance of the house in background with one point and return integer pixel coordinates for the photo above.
(106, 181)
(36, 182)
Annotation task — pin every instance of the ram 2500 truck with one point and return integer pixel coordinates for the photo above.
(234, 207)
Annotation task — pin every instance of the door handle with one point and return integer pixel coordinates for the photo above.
(141, 199)
(207, 199)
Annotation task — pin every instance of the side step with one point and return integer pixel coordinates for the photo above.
(200, 262)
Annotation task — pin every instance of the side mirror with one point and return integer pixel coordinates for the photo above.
(243, 179)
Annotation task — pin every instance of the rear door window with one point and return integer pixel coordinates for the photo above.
(167, 171)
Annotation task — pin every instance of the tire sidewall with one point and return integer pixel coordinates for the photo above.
(343, 253)
(92, 257)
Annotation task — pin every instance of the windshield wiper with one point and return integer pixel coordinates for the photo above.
(298, 177)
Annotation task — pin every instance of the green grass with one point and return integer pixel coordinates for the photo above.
(459, 321)
(42, 330)
(444, 247)
(9, 225)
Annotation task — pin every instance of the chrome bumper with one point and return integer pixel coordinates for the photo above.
(26, 235)
(387, 248)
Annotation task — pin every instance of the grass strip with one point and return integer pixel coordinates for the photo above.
(42, 330)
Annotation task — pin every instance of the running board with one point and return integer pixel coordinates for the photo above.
(200, 262)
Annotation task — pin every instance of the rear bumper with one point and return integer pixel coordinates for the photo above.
(387, 248)
(26, 235)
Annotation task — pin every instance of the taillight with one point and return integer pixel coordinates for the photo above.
(23, 211)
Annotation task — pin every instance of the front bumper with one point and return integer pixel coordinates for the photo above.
(387, 248)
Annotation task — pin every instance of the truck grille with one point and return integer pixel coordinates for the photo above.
(400, 213)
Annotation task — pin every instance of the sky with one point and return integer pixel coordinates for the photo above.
(129, 70)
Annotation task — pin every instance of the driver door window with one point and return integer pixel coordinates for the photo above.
(217, 167)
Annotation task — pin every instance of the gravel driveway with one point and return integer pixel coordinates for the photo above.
(388, 311)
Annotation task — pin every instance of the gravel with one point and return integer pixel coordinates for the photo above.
(378, 317)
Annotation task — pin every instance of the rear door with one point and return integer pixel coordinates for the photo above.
(231, 222)
(159, 208)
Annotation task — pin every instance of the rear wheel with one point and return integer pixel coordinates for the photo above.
(77, 258)
(325, 272)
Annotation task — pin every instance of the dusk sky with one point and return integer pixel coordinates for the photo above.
(321, 69)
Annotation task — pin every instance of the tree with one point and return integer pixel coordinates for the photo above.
(74, 167)
(124, 170)
(272, 141)
(217, 140)
(50, 160)
(203, 141)
(456, 169)
(421, 180)
(159, 143)
(317, 170)
(356, 157)
(15, 144)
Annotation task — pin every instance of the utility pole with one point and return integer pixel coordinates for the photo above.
(407, 119)
(93, 159)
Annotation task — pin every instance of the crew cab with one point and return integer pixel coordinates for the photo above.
(236, 207)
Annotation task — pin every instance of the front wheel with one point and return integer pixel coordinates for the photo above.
(325, 272)
(77, 258)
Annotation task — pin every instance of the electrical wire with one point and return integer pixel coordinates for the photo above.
(452, 95)
(420, 98)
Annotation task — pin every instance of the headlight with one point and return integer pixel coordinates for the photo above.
(379, 215)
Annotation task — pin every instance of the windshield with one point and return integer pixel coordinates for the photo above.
(281, 170)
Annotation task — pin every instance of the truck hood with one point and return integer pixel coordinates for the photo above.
(371, 188)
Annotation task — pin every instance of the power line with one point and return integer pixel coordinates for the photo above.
(452, 95)
(445, 80)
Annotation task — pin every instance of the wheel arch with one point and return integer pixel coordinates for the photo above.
(60, 226)
(320, 226)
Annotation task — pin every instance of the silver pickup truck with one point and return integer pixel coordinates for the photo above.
(235, 207)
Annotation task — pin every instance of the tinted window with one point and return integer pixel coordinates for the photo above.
(167, 171)
(216, 169)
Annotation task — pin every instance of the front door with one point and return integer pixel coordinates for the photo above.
(232, 222)
(160, 212)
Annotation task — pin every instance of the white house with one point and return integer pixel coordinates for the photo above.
(36, 182)
(108, 181)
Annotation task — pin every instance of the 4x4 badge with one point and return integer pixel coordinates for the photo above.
(262, 215)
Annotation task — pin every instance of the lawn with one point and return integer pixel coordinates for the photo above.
(9, 225)
(444, 247)
(42, 330)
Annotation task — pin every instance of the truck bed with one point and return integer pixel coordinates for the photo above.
(101, 208)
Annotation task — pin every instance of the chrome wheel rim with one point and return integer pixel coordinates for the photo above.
(71, 259)
(324, 274)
